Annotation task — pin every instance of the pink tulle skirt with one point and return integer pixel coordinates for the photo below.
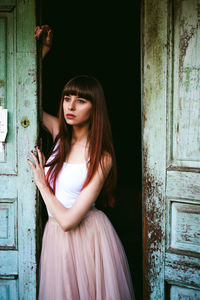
(86, 263)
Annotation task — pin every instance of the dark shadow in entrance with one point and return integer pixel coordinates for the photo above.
(104, 41)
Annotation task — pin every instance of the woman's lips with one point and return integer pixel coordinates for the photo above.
(70, 116)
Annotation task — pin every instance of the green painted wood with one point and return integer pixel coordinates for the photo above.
(7, 5)
(182, 293)
(18, 194)
(154, 74)
(185, 150)
(183, 184)
(182, 270)
(185, 229)
(8, 288)
(10, 266)
(7, 95)
(171, 152)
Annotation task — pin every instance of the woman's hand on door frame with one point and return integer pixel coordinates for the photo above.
(38, 169)
(44, 35)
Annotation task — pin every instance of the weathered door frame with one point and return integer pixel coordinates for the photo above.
(18, 269)
(154, 85)
(170, 150)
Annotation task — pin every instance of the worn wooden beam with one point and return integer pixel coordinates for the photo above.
(154, 57)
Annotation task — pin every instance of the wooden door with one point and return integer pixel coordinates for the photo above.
(18, 196)
(171, 148)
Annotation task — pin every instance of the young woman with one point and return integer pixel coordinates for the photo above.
(82, 256)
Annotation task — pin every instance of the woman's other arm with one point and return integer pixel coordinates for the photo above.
(43, 34)
(51, 124)
(70, 218)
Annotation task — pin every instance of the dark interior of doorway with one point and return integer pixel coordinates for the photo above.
(104, 41)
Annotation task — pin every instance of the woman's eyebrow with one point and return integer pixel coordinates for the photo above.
(81, 98)
(77, 96)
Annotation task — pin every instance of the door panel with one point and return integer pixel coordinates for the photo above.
(18, 195)
(182, 251)
(184, 227)
(8, 288)
(185, 80)
(183, 184)
(171, 152)
(8, 90)
(177, 293)
(182, 270)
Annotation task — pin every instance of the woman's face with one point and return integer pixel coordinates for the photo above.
(77, 110)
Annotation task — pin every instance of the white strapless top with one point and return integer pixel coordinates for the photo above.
(69, 181)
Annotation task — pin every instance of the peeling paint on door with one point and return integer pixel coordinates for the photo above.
(171, 151)
(18, 195)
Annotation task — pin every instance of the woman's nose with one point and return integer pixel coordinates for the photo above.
(72, 105)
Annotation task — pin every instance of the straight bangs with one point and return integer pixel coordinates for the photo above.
(81, 86)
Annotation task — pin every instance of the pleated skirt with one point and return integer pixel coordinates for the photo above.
(85, 263)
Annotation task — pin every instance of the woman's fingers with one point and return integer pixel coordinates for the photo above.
(49, 34)
(34, 158)
(38, 169)
(31, 164)
(38, 32)
(49, 37)
(36, 29)
(40, 156)
(45, 27)
(40, 161)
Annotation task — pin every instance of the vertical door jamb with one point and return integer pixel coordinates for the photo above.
(154, 93)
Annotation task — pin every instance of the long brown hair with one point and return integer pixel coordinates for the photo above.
(99, 135)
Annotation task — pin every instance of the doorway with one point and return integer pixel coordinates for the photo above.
(104, 41)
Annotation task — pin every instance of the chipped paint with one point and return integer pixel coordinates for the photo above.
(152, 226)
(153, 118)
(2, 83)
(17, 91)
(185, 38)
(171, 165)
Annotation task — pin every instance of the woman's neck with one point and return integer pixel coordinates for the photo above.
(80, 135)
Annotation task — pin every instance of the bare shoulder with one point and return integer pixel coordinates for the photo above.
(106, 163)
(107, 159)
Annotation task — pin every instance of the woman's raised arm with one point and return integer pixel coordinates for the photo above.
(43, 34)
(50, 123)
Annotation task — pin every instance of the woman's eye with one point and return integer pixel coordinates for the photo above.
(81, 101)
(66, 98)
